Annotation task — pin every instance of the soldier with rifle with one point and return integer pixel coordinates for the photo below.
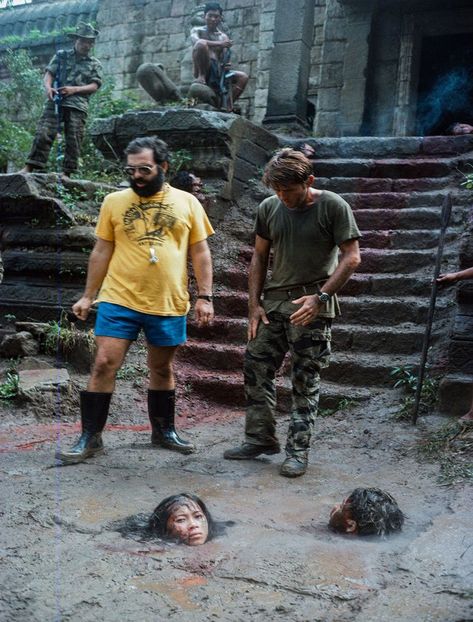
(211, 58)
(71, 77)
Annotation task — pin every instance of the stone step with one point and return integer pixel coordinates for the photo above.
(359, 283)
(363, 309)
(62, 266)
(223, 329)
(355, 368)
(226, 388)
(368, 310)
(381, 184)
(78, 237)
(409, 219)
(361, 369)
(403, 339)
(406, 239)
(386, 285)
(381, 261)
(405, 168)
(371, 147)
(404, 200)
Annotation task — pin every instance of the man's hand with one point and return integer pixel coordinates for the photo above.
(255, 316)
(51, 93)
(308, 312)
(68, 90)
(204, 312)
(81, 308)
(446, 279)
(226, 44)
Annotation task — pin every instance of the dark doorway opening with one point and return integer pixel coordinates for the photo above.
(445, 93)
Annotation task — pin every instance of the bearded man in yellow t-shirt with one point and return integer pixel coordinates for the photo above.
(139, 268)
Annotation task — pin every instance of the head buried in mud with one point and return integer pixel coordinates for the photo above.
(183, 518)
(367, 511)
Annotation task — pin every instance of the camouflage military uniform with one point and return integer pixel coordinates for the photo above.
(73, 70)
(309, 347)
(305, 245)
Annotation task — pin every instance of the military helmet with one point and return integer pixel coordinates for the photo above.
(85, 31)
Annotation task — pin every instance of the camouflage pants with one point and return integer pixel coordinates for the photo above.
(310, 350)
(73, 122)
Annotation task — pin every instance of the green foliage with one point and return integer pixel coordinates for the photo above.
(35, 36)
(102, 104)
(180, 159)
(468, 180)
(452, 446)
(21, 101)
(343, 404)
(9, 388)
(64, 336)
(17, 122)
(406, 378)
(131, 371)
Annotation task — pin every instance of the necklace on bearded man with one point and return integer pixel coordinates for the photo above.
(153, 258)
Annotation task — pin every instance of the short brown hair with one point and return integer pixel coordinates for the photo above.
(287, 167)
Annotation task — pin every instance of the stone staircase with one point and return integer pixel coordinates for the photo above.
(396, 188)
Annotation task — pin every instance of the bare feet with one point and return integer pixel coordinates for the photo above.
(200, 80)
(468, 417)
(26, 169)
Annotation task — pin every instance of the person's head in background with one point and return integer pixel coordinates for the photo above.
(367, 511)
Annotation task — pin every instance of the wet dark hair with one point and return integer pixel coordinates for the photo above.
(183, 181)
(213, 6)
(158, 147)
(286, 168)
(375, 511)
(160, 516)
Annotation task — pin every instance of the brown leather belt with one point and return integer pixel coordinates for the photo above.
(291, 294)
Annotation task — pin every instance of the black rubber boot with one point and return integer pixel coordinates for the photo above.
(94, 412)
(161, 410)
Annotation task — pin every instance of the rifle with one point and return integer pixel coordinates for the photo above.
(225, 84)
(59, 79)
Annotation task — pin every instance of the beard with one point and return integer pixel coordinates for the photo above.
(151, 187)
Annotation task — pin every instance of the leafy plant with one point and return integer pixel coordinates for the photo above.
(9, 388)
(130, 371)
(343, 404)
(180, 159)
(406, 378)
(452, 446)
(64, 336)
(18, 122)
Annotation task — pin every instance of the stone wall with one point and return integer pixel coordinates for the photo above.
(157, 31)
(456, 388)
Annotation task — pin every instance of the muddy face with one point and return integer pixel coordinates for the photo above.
(188, 524)
(341, 519)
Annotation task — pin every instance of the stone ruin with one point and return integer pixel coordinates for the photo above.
(362, 67)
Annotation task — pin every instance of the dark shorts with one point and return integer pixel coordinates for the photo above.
(123, 323)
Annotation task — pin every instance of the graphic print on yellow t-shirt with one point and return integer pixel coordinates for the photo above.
(161, 227)
(149, 222)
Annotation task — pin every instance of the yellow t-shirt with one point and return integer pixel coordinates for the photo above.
(165, 225)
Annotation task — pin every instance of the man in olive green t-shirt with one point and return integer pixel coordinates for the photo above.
(305, 228)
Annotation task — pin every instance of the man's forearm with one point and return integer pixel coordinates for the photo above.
(97, 269)
(256, 279)
(202, 264)
(346, 267)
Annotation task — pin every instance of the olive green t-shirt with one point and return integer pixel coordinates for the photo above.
(305, 242)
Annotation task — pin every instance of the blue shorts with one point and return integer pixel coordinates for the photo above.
(160, 330)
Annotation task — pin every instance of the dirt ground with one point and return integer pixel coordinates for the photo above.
(63, 559)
